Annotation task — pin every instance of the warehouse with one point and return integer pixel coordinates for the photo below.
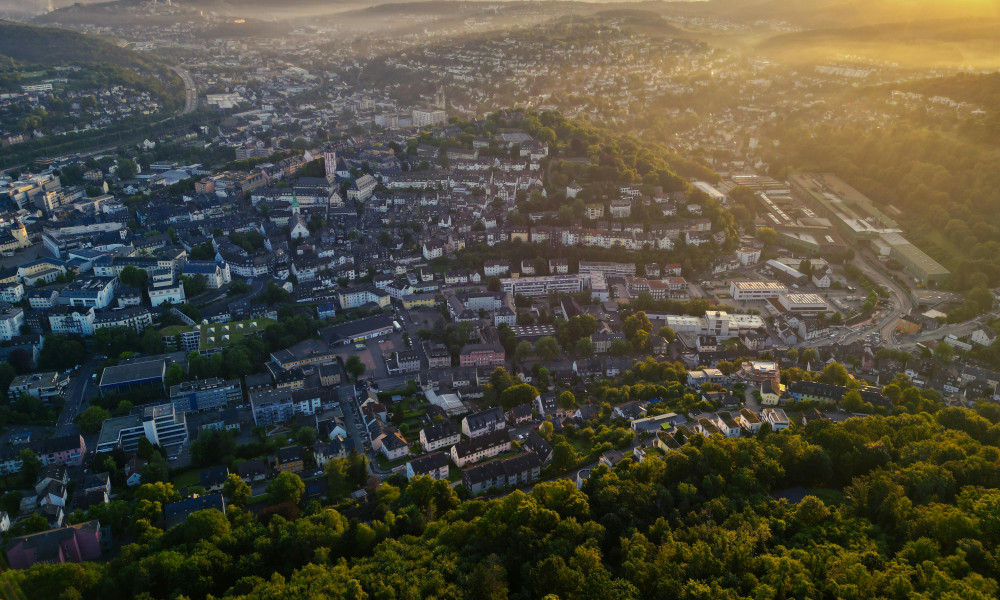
(747, 290)
(803, 303)
(133, 375)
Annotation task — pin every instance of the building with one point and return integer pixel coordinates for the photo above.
(359, 330)
(64, 320)
(803, 303)
(394, 446)
(176, 513)
(66, 450)
(324, 452)
(428, 117)
(137, 318)
(522, 469)
(479, 448)
(44, 386)
(216, 273)
(252, 471)
(213, 478)
(776, 418)
(546, 284)
(133, 375)
(275, 406)
(441, 435)
(205, 394)
(746, 290)
(73, 543)
(483, 422)
(434, 465)
(482, 355)
(160, 424)
(289, 460)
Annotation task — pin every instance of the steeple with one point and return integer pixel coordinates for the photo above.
(295, 203)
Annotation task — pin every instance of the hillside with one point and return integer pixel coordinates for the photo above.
(881, 507)
(924, 44)
(51, 46)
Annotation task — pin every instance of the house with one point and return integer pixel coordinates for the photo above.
(522, 469)
(610, 458)
(484, 422)
(473, 450)
(629, 410)
(97, 482)
(289, 460)
(771, 392)
(324, 452)
(434, 465)
(441, 435)
(727, 424)
(395, 446)
(519, 414)
(74, 543)
(984, 336)
(252, 471)
(776, 418)
(213, 478)
(176, 513)
(546, 405)
(537, 444)
(749, 420)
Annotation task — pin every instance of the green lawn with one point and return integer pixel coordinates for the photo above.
(214, 335)
(187, 479)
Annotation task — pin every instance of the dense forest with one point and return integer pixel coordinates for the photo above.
(909, 509)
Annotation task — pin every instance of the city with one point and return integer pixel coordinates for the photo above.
(522, 300)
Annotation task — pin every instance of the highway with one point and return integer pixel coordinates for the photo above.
(190, 90)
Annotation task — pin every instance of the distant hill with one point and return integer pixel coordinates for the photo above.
(51, 46)
(823, 14)
(936, 43)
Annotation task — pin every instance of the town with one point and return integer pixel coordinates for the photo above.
(480, 267)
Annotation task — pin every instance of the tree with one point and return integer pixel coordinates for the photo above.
(286, 487)
(809, 356)
(618, 348)
(667, 333)
(834, 373)
(127, 169)
(306, 436)
(236, 490)
(194, 286)
(792, 355)
(209, 524)
(91, 419)
(767, 235)
(567, 401)
(636, 323)
(174, 375)
(354, 367)
(563, 457)
(545, 430)
(31, 465)
(944, 352)
(523, 350)
(584, 347)
(133, 277)
(515, 395)
(547, 348)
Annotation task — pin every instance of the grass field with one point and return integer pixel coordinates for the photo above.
(217, 335)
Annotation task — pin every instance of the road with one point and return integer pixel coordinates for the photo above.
(76, 394)
(190, 90)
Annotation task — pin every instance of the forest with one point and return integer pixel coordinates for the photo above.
(896, 507)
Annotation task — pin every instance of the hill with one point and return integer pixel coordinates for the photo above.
(51, 46)
(924, 44)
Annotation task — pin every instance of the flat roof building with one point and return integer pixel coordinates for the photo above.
(132, 375)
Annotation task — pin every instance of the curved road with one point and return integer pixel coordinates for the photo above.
(190, 90)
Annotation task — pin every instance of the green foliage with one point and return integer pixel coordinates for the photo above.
(61, 352)
(286, 487)
(91, 419)
(354, 367)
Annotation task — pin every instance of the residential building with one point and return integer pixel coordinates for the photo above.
(206, 394)
(289, 460)
(160, 424)
(441, 435)
(483, 422)
(519, 470)
(434, 465)
(74, 543)
(476, 449)
(44, 386)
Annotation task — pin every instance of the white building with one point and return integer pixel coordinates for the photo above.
(747, 290)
